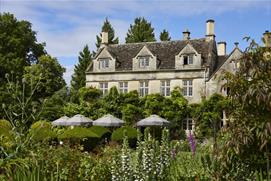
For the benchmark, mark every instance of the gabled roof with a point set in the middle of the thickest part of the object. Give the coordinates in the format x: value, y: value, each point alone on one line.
x: 164, y: 51
x: 222, y: 59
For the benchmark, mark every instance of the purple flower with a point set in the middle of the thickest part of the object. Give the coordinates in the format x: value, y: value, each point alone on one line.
x: 192, y: 143
x: 173, y: 153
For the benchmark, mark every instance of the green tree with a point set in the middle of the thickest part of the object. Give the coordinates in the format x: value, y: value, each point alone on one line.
x: 107, y: 27
x: 18, y: 46
x: 140, y: 31
x: 53, y: 107
x: 175, y: 109
x: 164, y: 36
x: 49, y: 73
x: 247, y: 137
x: 208, y: 115
x: 79, y: 76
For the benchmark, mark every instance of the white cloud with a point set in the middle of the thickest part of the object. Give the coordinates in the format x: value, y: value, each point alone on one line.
x: 66, y: 26
x: 84, y: 18
x: 68, y: 74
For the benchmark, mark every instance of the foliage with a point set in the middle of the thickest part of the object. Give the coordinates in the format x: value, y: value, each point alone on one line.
x: 79, y: 75
x: 207, y: 115
x: 118, y: 134
x: 246, y: 147
x: 131, y: 114
x: 112, y: 102
x: 149, y: 161
x: 41, y: 131
x: 107, y: 27
x: 5, y: 126
x: 140, y: 31
x: 21, y: 111
x: 186, y: 166
x: 175, y: 109
x: 19, y: 46
x: 77, y: 132
x: 53, y: 107
x: 89, y: 94
x: 49, y: 73
x: 153, y: 104
x: 99, y: 130
x: 164, y: 36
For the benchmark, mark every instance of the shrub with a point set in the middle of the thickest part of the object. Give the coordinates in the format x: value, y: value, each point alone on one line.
x: 77, y: 133
x: 118, y: 134
x: 98, y: 130
x: 5, y: 128
x: 41, y: 131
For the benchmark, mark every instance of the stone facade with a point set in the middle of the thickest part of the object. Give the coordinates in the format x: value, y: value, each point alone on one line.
x: 195, y: 65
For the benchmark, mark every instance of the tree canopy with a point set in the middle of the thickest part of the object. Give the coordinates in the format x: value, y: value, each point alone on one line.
x: 79, y: 76
x: 47, y: 75
x: 140, y: 31
x: 107, y: 27
x: 18, y: 46
x: 164, y: 36
x: 248, y: 133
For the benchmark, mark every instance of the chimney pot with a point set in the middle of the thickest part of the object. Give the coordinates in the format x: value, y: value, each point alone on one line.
x: 236, y: 44
x: 186, y: 35
x: 267, y: 38
x: 210, y: 30
x: 221, y: 48
x: 104, y: 38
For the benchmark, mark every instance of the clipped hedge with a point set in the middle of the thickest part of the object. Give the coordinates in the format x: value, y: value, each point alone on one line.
x: 79, y: 133
x: 41, y: 130
x: 118, y: 134
x: 100, y: 131
x: 5, y: 128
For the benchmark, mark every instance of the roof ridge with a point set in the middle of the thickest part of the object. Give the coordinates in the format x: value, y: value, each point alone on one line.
x: 155, y: 42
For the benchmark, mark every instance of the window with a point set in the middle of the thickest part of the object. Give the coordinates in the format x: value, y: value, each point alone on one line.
x: 165, y: 88
x: 123, y: 87
x: 188, y: 59
x: 187, y: 87
x: 188, y: 124
x: 144, y: 88
x: 104, y: 87
x: 104, y: 63
x: 144, y: 62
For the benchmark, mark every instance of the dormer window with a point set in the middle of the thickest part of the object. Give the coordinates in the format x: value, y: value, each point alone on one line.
x: 104, y: 63
x: 144, y: 61
x: 188, y: 59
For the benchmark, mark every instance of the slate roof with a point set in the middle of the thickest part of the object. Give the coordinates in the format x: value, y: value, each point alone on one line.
x: 164, y: 51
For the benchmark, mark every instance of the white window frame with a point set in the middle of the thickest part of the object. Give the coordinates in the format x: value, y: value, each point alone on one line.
x: 104, y: 87
x: 123, y: 87
x: 104, y: 63
x: 187, y: 124
x: 165, y: 87
x: 188, y: 88
x: 190, y: 58
x: 144, y: 61
x: 143, y: 88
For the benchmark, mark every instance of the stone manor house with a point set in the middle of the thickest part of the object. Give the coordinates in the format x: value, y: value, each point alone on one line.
x: 158, y: 67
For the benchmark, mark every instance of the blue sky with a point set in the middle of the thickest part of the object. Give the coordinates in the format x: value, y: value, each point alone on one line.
x: 66, y: 26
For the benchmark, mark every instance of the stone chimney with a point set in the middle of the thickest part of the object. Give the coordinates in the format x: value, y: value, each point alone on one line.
x: 186, y: 35
x: 210, y: 30
x: 104, y: 39
x: 267, y: 38
x: 221, y: 48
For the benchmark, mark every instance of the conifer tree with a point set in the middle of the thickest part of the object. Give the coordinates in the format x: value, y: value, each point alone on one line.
x: 164, y: 36
x: 140, y: 31
x: 79, y: 76
x: 107, y: 27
